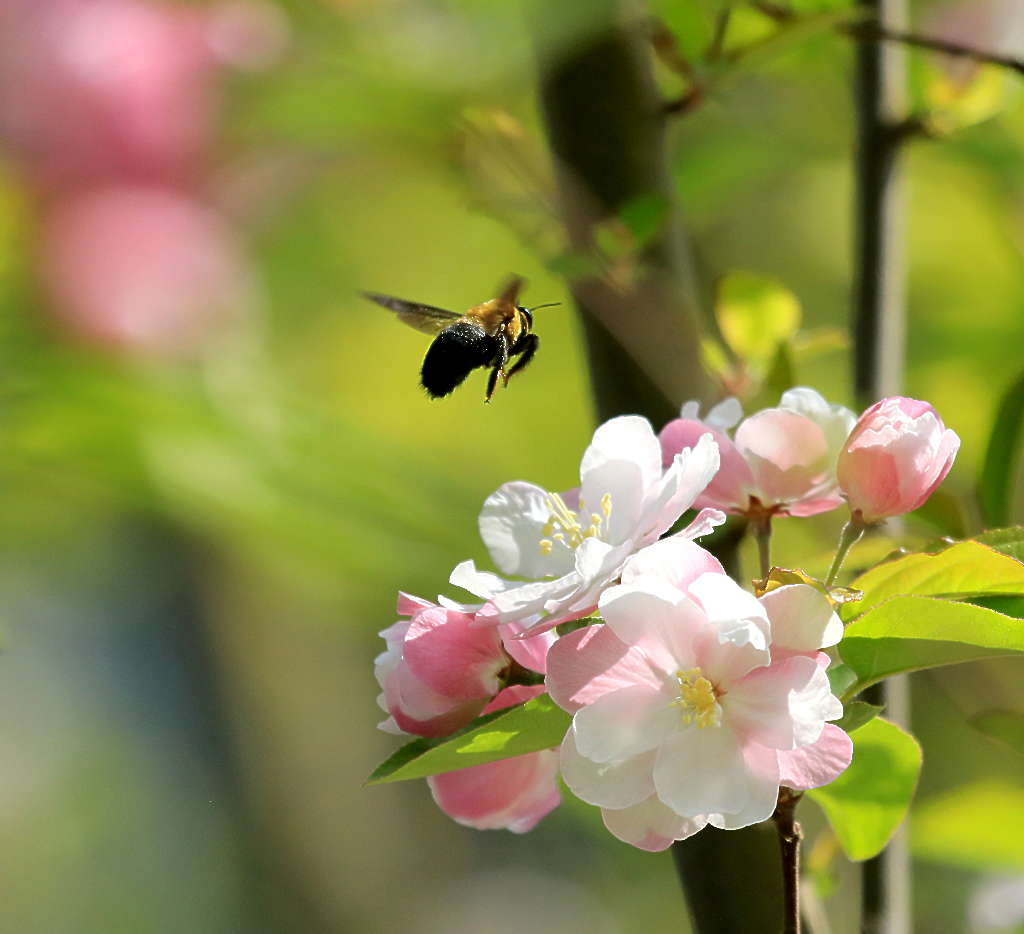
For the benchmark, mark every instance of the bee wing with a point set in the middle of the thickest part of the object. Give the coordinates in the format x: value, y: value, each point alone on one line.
x: 425, y: 318
x: 510, y: 293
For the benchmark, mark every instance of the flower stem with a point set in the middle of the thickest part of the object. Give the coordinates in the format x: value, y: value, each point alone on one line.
x: 761, y: 523
x: 789, y: 845
x: 849, y: 537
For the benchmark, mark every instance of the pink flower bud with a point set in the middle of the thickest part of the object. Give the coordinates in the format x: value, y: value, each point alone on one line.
x: 897, y: 454
x: 439, y: 670
x: 513, y: 794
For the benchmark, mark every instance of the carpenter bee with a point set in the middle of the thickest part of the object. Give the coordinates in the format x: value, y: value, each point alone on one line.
x: 488, y: 335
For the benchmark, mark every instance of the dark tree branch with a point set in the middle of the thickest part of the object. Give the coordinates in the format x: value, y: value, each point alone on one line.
x: 874, y: 31
x: 790, y: 836
x: 879, y: 328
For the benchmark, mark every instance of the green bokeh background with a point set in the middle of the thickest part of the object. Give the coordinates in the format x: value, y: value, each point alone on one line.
x: 197, y: 557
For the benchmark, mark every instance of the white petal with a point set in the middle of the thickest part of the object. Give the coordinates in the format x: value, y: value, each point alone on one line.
x: 626, y: 438
x: 701, y: 771
x: 761, y: 776
x: 624, y: 723
x: 726, y: 414
x: 704, y: 523
x: 655, y: 616
x: 650, y: 825
x: 736, y: 614
x: 481, y: 584
x: 606, y: 784
x: 676, y: 560
x: 802, y: 618
x: 691, y: 470
x: 512, y: 526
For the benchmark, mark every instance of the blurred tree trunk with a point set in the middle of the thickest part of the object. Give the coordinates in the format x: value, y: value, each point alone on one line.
x: 879, y: 347
x: 607, y: 129
x: 607, y: 126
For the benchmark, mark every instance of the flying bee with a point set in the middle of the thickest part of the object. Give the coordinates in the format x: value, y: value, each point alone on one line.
x: 488, y: 335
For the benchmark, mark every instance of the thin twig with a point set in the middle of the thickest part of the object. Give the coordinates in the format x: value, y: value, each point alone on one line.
x: 874, y: 31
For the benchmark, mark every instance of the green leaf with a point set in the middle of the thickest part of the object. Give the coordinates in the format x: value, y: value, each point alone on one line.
x: 857, y: 713
x: 869, y: 800
x: 841, y: 678
x: 966, y: 569
x: 1007, y: 726
x: 1009, y: 541
x: 1005, y: 444
x: 537, y: 724
x: 977, y: 825
x: 755, y: 314
x: 910, y: 633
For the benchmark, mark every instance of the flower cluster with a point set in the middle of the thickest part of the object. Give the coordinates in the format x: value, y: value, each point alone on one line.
x: 693, y: 701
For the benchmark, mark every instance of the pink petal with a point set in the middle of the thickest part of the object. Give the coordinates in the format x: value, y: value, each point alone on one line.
x: 513, y: 794
x: 730, y: 488
x: 445, y: 651
x: 409, y: 604
x: 818, y: 764
x: 588, y: 663
x: 529, y: 651
x: 787, y: 454
x: 651, y: 826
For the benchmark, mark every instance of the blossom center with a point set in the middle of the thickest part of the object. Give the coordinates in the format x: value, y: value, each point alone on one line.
x: 564, y: 527
x: 698, y: 699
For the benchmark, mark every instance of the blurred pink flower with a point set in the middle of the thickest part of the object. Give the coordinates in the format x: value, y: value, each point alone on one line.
x: 93, y: 91
x: 439, y: 670
x: 513, y: 794
x: 143, y: 267
x: 783, y: 457
x: 897, y: 454
x: 688, y: 709
x: 573, y: 545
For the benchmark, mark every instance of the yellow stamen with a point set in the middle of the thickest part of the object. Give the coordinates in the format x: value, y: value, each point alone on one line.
x: 570, y: 532
x: 698, y: 699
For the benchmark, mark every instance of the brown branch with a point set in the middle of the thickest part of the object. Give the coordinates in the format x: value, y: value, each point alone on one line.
x: 790, y: 836
x: 873, y: 31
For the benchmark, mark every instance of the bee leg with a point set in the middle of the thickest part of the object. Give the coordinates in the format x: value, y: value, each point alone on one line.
x: 528, y: 344
x: 500, y: 360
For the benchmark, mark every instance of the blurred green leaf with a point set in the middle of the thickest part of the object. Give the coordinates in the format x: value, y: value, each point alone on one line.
x: 956, y: 102
x: 976, y: 825
x: 966, y: 569
x: 1007, y: 726
x: 869, y: 800
x: 1008, y: 541
x: 857, y: 713
x: 911, y: 633
x: 755, y: 314
x: 1005, y: 444
x: 537, y: 724
x: 645, y: 216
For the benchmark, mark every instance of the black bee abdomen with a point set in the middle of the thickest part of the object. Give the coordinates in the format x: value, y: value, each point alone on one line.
x: 458, y: 349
